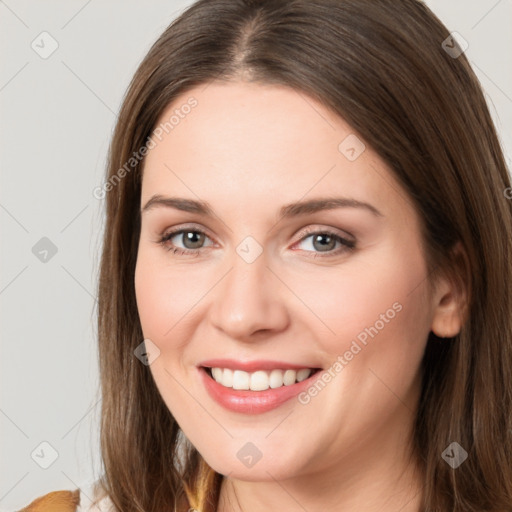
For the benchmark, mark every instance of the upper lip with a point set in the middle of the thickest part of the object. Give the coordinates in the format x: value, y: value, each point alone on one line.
x: 251, y: 366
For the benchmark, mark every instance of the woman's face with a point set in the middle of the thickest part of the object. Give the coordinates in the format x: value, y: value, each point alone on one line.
x: 265, y: 284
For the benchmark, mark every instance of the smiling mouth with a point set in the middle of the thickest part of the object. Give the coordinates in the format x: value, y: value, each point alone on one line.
x: 260, y: 380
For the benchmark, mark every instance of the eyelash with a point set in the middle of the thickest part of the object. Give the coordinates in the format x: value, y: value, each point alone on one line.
x: 347, y: 245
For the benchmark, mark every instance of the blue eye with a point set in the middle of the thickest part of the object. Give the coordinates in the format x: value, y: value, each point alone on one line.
x: 323, y: 243
x: 326, y: 241
x: 193, y: 237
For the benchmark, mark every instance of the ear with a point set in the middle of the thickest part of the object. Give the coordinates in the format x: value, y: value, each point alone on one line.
x: 450, y: 296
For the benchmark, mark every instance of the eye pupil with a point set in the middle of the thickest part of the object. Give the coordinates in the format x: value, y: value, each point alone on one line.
x: 189, y: 236
x: 323, y: 236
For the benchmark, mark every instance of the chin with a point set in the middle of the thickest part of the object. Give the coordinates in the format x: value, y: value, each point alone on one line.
x: 265, y: 469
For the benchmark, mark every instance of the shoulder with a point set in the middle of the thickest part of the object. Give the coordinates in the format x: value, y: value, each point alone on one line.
x: 88, y: 498
x: 58, y: 501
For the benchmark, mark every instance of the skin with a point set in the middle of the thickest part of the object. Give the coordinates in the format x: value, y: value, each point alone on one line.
x: 248, y: 149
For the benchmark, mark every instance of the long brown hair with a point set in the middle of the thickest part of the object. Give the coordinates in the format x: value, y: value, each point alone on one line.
x: 382, y: 66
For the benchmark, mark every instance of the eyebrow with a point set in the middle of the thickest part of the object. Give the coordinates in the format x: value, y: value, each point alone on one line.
x: 287, y: 211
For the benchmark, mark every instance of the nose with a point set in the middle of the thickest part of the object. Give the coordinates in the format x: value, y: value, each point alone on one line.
x: 249, y: 302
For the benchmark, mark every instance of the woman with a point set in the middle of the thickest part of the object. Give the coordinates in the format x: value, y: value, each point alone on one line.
x: 335, y: 328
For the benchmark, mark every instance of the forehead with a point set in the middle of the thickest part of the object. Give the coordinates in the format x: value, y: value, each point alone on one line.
x: 247, y: 143
x: 235, y: 115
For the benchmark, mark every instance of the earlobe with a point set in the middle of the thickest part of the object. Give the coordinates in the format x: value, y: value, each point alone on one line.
x: 447, y: 319
x: 450, y: 298
x: 446, y: 324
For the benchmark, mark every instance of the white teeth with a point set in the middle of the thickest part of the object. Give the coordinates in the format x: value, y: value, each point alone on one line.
x: 241, y: 379
x: 217, y: 374
x: 289, y: 377
x: 303, y: 374
x: 226, y: 376
x: 276, y: 378
x: 259, y: 380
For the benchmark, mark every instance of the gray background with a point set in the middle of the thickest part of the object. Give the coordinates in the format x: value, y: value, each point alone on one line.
x: 57, y: 116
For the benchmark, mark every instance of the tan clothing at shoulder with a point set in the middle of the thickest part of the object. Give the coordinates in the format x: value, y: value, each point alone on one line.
x: 56, y: 501
x: 87, y: 498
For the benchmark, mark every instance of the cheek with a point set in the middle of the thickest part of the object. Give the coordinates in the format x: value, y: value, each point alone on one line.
x: 165, y: 296
x: 379, y: 314
x: 154, y: 300
x: 165, y: 303
x: 380, y: 295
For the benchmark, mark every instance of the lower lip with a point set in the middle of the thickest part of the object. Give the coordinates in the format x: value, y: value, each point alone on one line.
x: 252, y: 402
